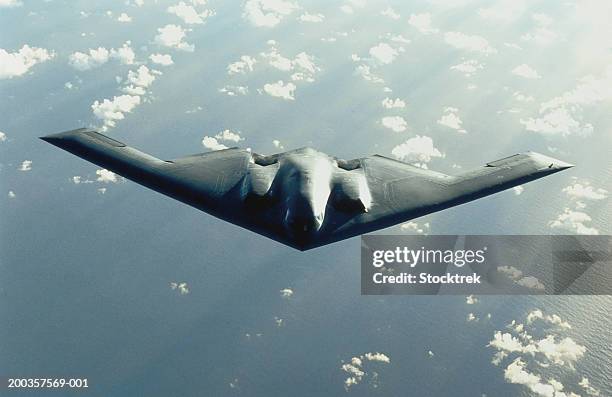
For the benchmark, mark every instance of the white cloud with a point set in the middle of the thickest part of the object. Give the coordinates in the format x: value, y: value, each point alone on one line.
x: 517, y: 374
x: 390, y: 13
x: 552, y: 319
x: 584, y: 191
x: 573, y: 221
x: 468, y: 68
x: 531, y: 282
x: 551, y: 350
x: 397, y: 38
x: 415, y: 227
x: 106, y: 176
x: 267, y: 13
x: 586, y: 385
x: 26, y: 165
x: 526, y: 71
x: 518, y: 190
x: 418, y: 149
x: 94, y: 58
x: 510, y: 271
x: 355, y: 368
x: 14, y: 64
x: 228, y: 135
x: 303, y: 65
x: 125, y: 54
x: 557, y: 121
x: 277, y: 144
x: 396, y: 103
x: 383, y: 53
x: 212, y: 143
x: 232, y: 90
x: 564, y: 352
x: 281, y: 90
x: 561, y: 115
x: 99, y: 56
x: 182, y: 288
x: 161, y: 59
x: 422, y: 22
x: 101, y: 190
x: 466, y: 42
x: 172, y: 36
x: 124, y: 17
x: 11, y: 194
x: 109, y: 111
x: 517, y: 276
x: 286, y: 292
x: 2, y: 136
x: 244, y: 65
x: 366, y: 72
x: 450, y: 119
x: 314, y: 18
x: 471, y: 317
x: 188, y: 13
x: 380, y: 357
x: 142, y: 77
x: 471, y: 300
x: 395, y: 123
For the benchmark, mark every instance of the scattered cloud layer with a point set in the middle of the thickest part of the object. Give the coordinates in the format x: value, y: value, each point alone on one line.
x: 562, y: 115
x: 536, y: 361
x: 355, y: 368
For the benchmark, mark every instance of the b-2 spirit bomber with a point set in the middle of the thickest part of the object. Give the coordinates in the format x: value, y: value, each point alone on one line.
x: 304, y: 198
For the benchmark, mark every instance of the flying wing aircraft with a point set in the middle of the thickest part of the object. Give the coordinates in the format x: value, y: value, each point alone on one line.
x: 304, y: 198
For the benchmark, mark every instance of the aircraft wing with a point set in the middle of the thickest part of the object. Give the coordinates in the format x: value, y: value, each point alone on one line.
x: 401, y: 192
x: 208, y: 181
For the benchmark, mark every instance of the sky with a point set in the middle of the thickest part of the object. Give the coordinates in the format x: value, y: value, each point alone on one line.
x: 105, y: 279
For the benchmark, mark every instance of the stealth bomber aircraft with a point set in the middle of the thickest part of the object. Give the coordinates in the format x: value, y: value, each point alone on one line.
x: 304, y: 198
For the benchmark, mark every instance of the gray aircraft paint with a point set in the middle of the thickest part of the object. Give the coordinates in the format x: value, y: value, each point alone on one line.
x: 305, y: 198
